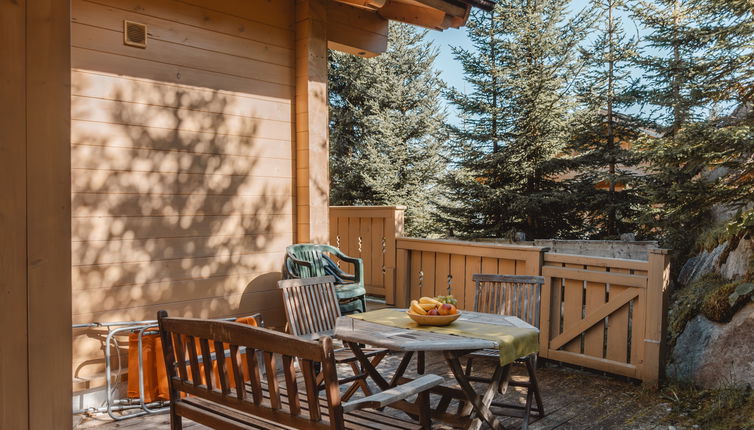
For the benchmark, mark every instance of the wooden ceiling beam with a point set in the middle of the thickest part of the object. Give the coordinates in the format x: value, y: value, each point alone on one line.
x: 416, y: 15
x: 356, y: 30
x: 364, y: 4
x: 447, y: 7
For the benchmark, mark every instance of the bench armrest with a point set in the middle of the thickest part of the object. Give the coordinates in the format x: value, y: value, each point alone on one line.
x: 395, y: 394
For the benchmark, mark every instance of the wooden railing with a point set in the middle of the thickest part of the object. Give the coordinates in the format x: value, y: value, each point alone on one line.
x: 602, y: 313
x: 370, y: 232
x: 439, y: 267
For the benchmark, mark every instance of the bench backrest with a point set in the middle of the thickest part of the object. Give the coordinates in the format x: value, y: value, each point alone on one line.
x: 311, y: 305
x: 515, y: 295
x: 189, y: 362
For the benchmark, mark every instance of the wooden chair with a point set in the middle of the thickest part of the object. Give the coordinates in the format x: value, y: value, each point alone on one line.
x: 311, y: 308
x: 265, y: 403
x: 311, y: 260
x: 518, y: 296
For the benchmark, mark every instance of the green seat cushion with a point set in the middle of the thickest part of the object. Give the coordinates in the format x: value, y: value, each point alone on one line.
x: 348, y: 291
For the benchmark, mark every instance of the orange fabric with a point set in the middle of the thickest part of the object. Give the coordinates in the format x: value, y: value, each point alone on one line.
x: 162, y: 391
x: 149, y: 364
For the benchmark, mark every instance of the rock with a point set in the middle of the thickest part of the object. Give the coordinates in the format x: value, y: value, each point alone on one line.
x: 712, y: 355
x: 698, y: 266
x: 738, y: 261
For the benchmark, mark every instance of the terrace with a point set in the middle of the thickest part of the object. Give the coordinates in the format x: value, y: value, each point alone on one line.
x: 170, y: 152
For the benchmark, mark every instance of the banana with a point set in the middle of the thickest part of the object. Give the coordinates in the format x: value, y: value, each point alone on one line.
x: 429, y: 300
x: 415, y: 308
x: 427, y: 306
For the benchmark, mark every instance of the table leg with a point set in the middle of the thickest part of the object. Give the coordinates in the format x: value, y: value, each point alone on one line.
x: 401, y: 368
x: 420, y: 363
x: 367, y: 365
x: 480, y: 404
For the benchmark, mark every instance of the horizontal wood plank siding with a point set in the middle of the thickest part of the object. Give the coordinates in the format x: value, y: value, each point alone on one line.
x: 181, y: 161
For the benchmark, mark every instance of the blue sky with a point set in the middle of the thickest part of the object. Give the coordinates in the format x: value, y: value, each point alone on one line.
x: 451, y: 70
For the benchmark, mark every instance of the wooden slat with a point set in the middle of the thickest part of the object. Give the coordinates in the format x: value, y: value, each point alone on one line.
x: 606, y: 365
x: 255, y: 378
x: 377, y: 257
x: 473, y: 266
x: 617, y: 327
x: 442, y: 270
x: 458, y: 281
x: 365, y: 233
x: 289, y: 369
x: 616, y: 276
x: 572, y: 308
x: 206, y: 362
x: 594, y: 337
x: 551, y: 257
x: 222, y: 371
x: 428, y: 260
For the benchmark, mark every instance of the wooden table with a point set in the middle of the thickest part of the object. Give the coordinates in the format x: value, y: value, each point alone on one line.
x: 476, y: 409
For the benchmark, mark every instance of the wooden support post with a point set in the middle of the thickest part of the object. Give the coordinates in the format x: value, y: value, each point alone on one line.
x: 654, y: 329
x: 35, y: 213
x: 312, y: 150
x: 393, y: 230
x: 402, y: 277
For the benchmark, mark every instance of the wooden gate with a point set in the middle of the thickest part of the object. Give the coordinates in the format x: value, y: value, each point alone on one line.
x: 605, y: 314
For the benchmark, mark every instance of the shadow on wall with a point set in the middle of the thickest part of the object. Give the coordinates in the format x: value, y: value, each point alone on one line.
x: 173, y: 208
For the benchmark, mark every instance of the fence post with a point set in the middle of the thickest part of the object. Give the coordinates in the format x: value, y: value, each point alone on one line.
x: 393, y: 229
x: 403, y: 278
x: 658, y: 280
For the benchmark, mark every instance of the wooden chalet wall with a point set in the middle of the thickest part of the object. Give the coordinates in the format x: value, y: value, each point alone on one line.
x: 195, y: 161
x: 182, y: 162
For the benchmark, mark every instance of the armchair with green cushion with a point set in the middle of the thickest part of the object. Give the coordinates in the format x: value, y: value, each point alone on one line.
x: 309, y: 260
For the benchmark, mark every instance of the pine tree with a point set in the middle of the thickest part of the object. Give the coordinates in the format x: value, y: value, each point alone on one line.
x: 387, y: 130
x: 705, y: 63
x: 601, y: 155
x: 516, y: 118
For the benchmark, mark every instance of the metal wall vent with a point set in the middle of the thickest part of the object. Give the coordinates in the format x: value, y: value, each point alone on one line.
x: 135, y: 34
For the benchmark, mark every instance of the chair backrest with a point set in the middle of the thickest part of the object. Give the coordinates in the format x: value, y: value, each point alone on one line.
x: 311, y: 305
x: 311, y: 253
x: 515, y: 295
x: 188, y: 361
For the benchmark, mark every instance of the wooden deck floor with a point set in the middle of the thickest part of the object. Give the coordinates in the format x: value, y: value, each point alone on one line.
x: 573, y: 400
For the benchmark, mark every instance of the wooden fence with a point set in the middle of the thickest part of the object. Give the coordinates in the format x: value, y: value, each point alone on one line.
x: 439, y: 267
x: 601, y: 313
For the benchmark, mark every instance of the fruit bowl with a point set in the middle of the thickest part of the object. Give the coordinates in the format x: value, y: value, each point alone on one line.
x: 436, y: 320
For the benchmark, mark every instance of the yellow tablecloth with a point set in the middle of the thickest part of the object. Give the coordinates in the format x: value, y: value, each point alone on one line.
x: 514, y: 342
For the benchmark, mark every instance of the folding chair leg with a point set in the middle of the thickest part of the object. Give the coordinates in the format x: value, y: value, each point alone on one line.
x: 531, y: 367
x: 527, y: 409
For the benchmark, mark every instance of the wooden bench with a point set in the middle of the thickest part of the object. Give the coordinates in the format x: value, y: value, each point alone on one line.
x: 263, y: 402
